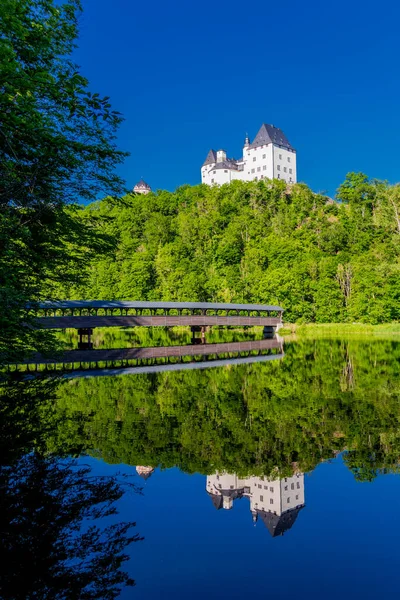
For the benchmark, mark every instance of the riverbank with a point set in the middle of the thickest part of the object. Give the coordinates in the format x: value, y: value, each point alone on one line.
x: 340, y: 329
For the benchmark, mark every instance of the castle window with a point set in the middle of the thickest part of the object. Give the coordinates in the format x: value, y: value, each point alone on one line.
x: 264, y: 156
x: 264, y: 167
x: 225, y: 171
x: 290, y: 170
x: 254, y: 158
x: 288, y: 158
x: 271, y: 489
x: 288, y: 500
x: 292, y: 486
x: 258, y: 169
x: 286, y: 488
x: 253, y: 170
x: 279, y: 176
x: 285, y: 169
x: 290, y: 180
x: 298, y: 485
x: 212, y: 180
x: 262, y: 177
x: 297, y: 497
x: 280, y: 156
x: 271, y: 501
x: 279, y: 167
x: 231, y: 486
x: 265, y: 487
x: 214, y: 172
x: 261, y: 498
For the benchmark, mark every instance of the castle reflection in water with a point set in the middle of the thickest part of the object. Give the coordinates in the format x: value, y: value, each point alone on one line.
x: 275, y: 502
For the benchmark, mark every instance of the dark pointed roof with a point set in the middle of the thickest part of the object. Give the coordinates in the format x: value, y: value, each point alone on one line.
x: 143, y: 185
x: 211, y: 158
x: 145, y: 475
x: 216, y: 500
x: 227, y: 164
x: 277, y: 525
x: 268, y: 134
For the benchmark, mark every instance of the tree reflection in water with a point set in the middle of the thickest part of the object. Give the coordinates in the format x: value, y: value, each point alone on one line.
x: 59, y: 532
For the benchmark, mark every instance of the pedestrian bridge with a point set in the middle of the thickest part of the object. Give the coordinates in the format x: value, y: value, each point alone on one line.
x: 88, y: 314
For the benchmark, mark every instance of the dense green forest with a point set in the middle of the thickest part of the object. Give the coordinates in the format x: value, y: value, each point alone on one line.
x: 323, y: 261
x: 323, y: 397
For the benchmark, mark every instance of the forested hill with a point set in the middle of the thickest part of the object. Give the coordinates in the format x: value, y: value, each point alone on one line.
x: 321, y: 260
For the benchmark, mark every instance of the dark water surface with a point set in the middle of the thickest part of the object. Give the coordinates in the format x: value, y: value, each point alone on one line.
x: 279, y: 477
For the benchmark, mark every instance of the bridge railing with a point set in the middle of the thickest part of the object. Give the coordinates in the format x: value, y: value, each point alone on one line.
x: 97, y: 308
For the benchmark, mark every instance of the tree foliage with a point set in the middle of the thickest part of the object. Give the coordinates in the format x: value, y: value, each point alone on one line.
x: 57, y: 146
x: 324, y: 397
x: 323, y: 261
x: 60, y: 532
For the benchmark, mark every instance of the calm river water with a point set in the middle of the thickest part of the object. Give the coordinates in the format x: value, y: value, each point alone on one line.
x: 275, y: 478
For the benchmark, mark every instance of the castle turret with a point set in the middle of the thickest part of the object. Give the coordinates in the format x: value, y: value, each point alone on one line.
x: 246, y: 145
x: 221, y: 156
x: 144, y: 472
x: 142, y: 187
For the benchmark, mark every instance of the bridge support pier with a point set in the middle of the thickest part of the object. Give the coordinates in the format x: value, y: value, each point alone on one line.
x: 268, y: 332
x: 85, y: 332
x: 196, y: 328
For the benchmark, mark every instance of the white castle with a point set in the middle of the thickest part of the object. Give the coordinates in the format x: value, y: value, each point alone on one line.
x: 277, y: 503
x: 269, y: 156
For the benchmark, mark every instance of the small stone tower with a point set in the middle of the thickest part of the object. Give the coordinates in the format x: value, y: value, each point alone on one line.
x: 142, y: 187
x: 145, y: 472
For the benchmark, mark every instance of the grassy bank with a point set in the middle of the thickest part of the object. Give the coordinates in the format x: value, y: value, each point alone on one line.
x: 340, y: 329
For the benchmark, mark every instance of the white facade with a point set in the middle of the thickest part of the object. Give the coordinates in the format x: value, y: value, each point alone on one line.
x: 275, y: 498
x: 269, y: 156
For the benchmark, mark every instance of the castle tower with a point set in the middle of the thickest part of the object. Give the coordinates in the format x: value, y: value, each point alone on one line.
x: 246, y: 144
x: 142, y: 187
x: 144, y: 472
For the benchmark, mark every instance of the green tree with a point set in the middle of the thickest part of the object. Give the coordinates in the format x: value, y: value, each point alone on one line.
x: 57, y: 145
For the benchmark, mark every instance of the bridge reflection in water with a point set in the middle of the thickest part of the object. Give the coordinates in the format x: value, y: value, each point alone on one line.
x: 123, y: 361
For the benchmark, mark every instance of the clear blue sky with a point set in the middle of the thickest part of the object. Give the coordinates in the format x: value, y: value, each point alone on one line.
x: 191, y: 75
